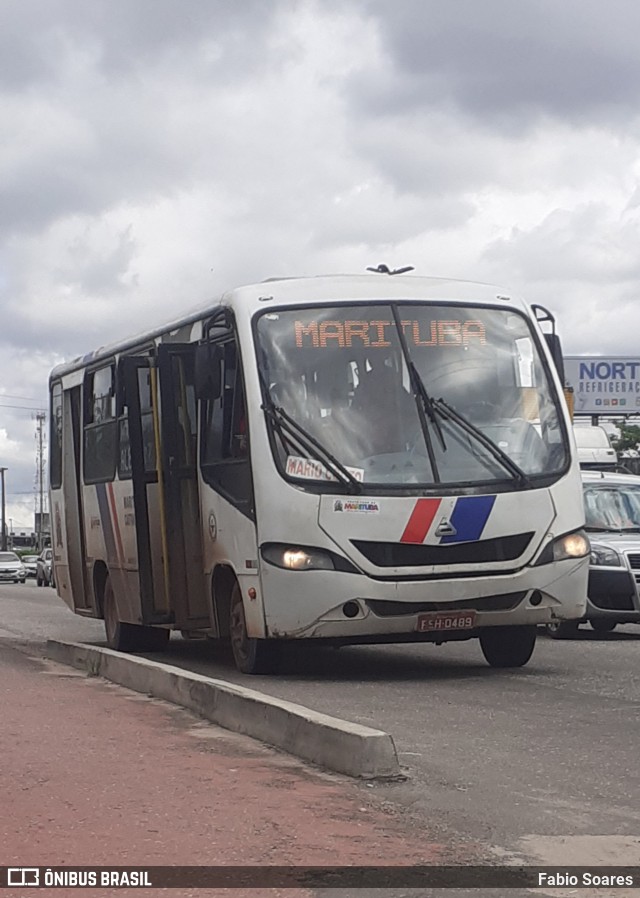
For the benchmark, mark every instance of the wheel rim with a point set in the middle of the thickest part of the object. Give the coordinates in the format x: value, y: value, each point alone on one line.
x: 238, y: 629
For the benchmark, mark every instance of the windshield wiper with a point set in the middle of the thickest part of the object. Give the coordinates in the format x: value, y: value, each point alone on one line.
x: 449, y: 413
x: 605, y: 529
x: 427, y: 402
x: 602, y: 529
x: 425, y: 406
x: 300, y: 438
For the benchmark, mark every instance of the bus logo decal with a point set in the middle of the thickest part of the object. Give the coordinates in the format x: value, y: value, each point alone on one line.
x: 445, y: 528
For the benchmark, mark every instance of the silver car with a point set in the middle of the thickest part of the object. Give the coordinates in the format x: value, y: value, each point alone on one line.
x: 12, y: 570
x: 44, y: 568
x: 612, y: 512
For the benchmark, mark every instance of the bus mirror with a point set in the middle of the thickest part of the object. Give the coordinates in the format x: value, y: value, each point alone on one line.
x: 555, y: 348
x: 208, y: 375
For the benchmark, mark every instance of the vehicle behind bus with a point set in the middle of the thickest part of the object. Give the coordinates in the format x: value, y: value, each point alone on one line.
x: 339, y: 460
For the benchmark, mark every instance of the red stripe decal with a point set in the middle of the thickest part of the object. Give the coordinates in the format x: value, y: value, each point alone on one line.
x: 420, y: 520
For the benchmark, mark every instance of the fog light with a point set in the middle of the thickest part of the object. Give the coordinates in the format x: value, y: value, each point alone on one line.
x: 351, y: 609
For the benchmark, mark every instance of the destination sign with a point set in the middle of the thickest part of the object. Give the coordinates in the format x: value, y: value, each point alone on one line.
x: 378, y: 333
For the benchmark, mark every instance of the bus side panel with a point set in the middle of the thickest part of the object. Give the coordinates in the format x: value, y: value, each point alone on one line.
x: 106, y: 538
x: 60, y: 551
x: 230, y: 539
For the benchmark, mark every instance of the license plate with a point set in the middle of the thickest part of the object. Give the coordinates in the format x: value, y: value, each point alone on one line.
x: 446, y: 620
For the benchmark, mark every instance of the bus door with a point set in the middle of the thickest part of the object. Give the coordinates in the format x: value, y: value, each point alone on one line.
x: 139, y: 379
x: 190, y: 599
x: 73, y: 510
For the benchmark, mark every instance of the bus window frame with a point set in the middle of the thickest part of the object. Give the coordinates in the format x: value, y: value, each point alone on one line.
x: 228, y: 475
x: 55, y: 437
x: 90, y: 425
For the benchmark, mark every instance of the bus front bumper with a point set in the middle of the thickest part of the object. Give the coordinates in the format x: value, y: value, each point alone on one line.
x: 345, y: 606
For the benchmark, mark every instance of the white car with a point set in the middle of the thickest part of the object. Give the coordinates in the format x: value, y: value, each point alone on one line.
x: 612, y: 512
x: 44, y: 568
x: 12, y: 570
x: 30, y: 562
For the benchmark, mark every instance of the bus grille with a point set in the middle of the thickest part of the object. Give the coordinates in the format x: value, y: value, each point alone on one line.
x: 504, y: 602
x: 383, y: 554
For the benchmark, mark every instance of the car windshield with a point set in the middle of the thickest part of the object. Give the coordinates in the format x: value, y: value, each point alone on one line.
x: 8, y: 556
x: 612, y: 506
x: 30, y: 559
x: 358, y: 381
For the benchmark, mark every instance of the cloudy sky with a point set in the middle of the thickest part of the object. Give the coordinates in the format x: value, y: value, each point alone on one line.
x: 156, y: 152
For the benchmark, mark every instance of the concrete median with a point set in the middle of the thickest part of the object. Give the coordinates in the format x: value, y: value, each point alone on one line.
x: 329, y: 742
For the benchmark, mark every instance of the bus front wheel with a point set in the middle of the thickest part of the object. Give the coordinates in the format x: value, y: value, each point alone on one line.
x: 602, y: 625
x: 125, y: 637
x: 508, y: 646
x: 251, y: 656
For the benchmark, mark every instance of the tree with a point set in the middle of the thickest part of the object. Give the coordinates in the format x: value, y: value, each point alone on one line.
x: 629, y: 437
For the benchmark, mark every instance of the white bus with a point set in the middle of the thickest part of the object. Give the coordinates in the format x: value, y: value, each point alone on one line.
x: 353, y: 459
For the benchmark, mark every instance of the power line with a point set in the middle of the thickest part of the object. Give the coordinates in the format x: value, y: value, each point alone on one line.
x: 27, y: 408
x: 12, y: 396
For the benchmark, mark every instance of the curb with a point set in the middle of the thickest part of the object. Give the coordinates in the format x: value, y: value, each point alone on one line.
x: 329, y: 742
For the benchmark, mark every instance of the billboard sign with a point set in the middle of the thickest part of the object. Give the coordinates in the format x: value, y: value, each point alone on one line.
x: 604, y: 385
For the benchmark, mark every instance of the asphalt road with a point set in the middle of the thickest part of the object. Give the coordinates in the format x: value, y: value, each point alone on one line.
x: 537, y: 766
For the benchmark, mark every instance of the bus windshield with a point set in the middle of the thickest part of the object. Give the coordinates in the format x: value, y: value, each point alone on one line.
x: 403, y: 394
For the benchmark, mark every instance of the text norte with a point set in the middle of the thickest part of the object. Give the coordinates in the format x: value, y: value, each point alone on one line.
x: 609, y: 370
x: 374, y: 333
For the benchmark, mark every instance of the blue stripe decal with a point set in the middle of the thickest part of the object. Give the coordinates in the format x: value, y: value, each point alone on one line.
x: 470, y: 514
x: 107, y: 525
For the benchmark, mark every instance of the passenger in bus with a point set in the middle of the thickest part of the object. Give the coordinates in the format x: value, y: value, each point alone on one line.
x: 389, y: 418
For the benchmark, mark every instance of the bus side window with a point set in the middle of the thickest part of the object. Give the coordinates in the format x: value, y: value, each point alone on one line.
x: 225, y: 421
x: 100, y: 426
x: 55, y: 438
x: 224, y: 451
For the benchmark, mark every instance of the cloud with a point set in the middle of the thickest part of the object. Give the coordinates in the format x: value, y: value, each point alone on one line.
x: 503, y: 64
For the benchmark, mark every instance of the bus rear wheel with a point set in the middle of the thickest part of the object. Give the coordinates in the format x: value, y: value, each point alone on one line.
x: 508, y: 646
x: 125, y: 637
x: 251, y: 656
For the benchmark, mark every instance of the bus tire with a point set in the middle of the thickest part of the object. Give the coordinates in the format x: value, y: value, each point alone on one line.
x: 508, y: 646
x: 602, y: 625
x: 566, y: 629
x: 125, y: 637
x: 251, y: 656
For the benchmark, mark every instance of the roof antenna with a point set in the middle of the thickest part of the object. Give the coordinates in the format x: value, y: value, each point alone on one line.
x: 384, y: 269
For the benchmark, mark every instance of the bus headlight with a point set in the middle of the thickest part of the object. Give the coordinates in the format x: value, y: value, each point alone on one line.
x: 604, y: 555
x: 295, y: 558
x: 571, y: 545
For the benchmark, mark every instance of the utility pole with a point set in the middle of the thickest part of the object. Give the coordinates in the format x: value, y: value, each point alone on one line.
x: 3, y: 524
